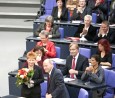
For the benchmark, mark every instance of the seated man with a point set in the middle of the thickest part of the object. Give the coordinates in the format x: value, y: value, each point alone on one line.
x: 75, y: 63
x: 106, y: 33
x: 86, y: 30
x: 56, y: 87
x: 49, y: 27
x: 80, y: 11
x: 49, y: 46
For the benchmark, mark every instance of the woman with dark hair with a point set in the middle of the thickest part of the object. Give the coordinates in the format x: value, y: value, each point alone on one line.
x: 49, y: 27
x: 39, y: 50
x: 60, y: 12
x: 104, y: 52
x: 95, y: 74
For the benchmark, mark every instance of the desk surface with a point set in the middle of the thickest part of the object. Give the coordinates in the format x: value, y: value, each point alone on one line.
x: 86, y: 85
x: 76, y: 83
x: 70, y: 23
x: 65, y: 41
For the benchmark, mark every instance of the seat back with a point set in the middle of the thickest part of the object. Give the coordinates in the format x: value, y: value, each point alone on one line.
x: 83, y: 93
x: 85, y: 51
x: 113, y: 60
x: 61, y: 30
x: 43, y: 89
x: 94, y: 18
x: 58, y: 51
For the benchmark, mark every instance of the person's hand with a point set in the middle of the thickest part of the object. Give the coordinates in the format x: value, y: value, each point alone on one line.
x: 72, y: 71
x: 84, y: 31
x: 79, y: 9
x: 45, y: 50
x: 48, y: 95
x: 98, y: 2
x: 38, y: 58
x: 101, y: 32
x: 89, y: 69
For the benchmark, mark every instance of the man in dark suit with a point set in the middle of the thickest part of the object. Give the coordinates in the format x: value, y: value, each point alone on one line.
x: 81, y: 62
x: 81, y: 11
x: 86, y: 29
x: 56, y: 87
x: 105, y: 33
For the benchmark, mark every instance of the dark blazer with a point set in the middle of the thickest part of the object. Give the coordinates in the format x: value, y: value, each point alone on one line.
x: 56, y: 85
x: 79, y: 16
x: 100, y: 9
x: 64, y: 16
x: 90, y: 34
x: 110, y: 37
x: 54, y: 30
x: 37, y: 78
x: 106, y: 58
x: 82, y: 63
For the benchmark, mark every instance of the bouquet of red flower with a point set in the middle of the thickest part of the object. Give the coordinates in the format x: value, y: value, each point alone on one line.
x: 24, y: 76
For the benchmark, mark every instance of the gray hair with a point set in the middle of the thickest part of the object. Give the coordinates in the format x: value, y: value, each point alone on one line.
x: 88, y: 16
x: 45, y: 33
x: 49, y: 19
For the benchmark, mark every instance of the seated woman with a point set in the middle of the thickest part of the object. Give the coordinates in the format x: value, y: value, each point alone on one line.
x: 49, y: 27
x: 100, y: 8
x: 86, y: 30
x: 60, y: 12
x: 39, y: 50
x: 33, y: 89
x: 49, y: 47
x: 95, y: 74
x: 81, y: 11
x: 104, y: 52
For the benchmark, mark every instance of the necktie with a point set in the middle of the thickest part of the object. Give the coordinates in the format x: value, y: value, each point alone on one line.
x: 73, y: 66
x: 48, y: 83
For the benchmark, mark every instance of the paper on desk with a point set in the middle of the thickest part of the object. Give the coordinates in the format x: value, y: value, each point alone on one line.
x: 38, y: 37
x: 57, y: 60
x: 76, y: 21
x: 68, y: 79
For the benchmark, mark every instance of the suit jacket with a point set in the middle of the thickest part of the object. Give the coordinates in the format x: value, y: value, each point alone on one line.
x: 56, y: 85
x: 100, y: 9
x: 79, y: 16
x: 50, y: 47
x: 64, y: 16
x: 81, y: 64
x: 54, y: 30
x: 90, y: 34
x: 110, y: 37
x: 37, y: 78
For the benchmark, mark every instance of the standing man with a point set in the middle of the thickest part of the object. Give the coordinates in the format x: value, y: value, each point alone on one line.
x: 75, y: 63
x: 56, y: 87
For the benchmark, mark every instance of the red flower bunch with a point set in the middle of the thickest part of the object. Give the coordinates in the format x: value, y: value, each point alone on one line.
x: 24, y: 76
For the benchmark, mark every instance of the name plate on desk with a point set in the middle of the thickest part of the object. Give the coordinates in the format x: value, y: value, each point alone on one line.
x: 68, y: 79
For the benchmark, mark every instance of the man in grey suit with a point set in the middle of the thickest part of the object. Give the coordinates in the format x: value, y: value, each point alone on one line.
x: 56, y: 87
x: 81, y: 62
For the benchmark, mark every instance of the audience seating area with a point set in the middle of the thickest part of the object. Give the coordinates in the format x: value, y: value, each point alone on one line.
x: 109, y: 74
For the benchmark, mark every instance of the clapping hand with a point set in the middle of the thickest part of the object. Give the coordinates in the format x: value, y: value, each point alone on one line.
x: 48, y: 95
x: 31, y: 84
x: 98, y: 2
x: 89, y: 69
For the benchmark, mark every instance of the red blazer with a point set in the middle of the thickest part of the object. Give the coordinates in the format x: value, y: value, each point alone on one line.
x: 50, y: 47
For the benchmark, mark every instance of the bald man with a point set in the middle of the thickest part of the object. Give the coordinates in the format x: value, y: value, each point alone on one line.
x: 56, y: 83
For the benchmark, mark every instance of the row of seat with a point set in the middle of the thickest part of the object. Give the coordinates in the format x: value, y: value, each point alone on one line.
x: 109, y: 80
x: 52, y: 3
